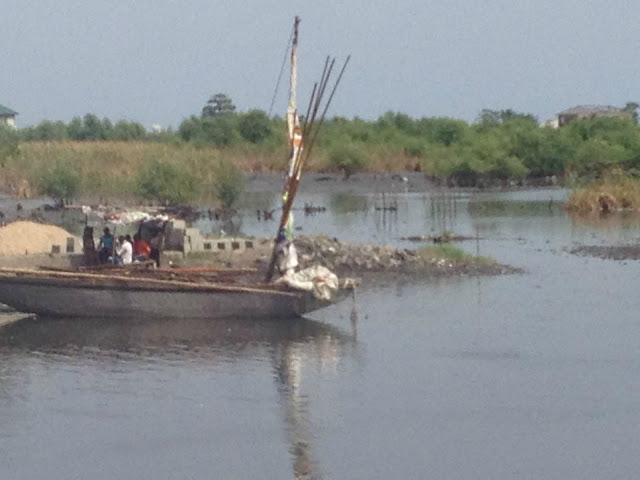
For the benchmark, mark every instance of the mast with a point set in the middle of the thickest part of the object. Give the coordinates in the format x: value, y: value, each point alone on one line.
x: 297, y: 136
x: 294, y: 138
x: 294, y: 132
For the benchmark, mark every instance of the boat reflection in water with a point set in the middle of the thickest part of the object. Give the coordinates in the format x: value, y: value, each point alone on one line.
x: 285, y: 344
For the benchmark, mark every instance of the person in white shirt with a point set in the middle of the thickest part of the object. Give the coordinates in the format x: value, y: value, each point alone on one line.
x: 124, y: 250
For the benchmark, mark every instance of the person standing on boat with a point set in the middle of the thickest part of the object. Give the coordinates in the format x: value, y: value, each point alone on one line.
x: 124, y: 250
x: 287, y: 256
x: 105, y: 246
x: 156, y: 244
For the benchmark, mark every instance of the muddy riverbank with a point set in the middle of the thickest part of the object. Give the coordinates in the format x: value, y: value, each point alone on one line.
x: 611, y: 252
x: 367, y: 261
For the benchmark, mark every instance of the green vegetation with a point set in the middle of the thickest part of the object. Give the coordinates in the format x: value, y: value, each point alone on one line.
x: 451, y: 253
x: 219, y: 104
x: 230, y: 183
x: 501, y: 147
x: 348, y: 157
x: 616, y: 191
x: 61, y: 181
x: 9, y: 141
x: 167, y: 184
x: 255, y: 126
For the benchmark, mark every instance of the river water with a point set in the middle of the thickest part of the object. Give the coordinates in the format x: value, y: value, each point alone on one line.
x: 533, y: 375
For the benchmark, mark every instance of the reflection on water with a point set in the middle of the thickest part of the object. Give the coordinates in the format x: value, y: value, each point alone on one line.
x: 443, y: 208
x: 607, y: 221
x: 502, y: 208
x: 344, y: 203
x: 137, y: 338
x: 284, y: 343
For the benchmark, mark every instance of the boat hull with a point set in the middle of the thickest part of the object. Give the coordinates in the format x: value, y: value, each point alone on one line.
x: 85, y: 298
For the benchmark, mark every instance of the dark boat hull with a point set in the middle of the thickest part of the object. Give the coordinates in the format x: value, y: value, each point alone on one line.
x: 91, y: 296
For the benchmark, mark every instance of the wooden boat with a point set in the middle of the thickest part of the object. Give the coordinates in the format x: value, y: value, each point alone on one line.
x: 75, y: 294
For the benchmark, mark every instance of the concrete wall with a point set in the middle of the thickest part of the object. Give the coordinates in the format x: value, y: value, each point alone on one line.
x: 11, y: 121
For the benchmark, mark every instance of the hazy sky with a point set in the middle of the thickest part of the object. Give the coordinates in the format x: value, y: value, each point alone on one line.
x: 158, y: 61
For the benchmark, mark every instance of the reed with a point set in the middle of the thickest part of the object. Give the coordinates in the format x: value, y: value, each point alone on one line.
x: 614, y: 192
x: 112, y: 167
x: 108, y: 168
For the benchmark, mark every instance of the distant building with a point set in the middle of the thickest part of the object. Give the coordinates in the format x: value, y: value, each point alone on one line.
x: 7, y: 116
x: 591, y: 111
x: 552, y: 123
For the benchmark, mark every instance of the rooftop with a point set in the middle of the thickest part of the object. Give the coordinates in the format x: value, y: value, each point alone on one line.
x: 591, y: 109
x: 6, y: 112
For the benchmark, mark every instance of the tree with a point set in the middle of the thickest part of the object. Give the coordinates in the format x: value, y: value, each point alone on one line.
x: 348, y: 157
x: 167, y: 184
x: 255, y: 126
x: 229, y: 183
x: 94, y: 129
x: 445, y: 130
x: 596, y: 154
x: 9, y: 140
x: 49, y: 130
x: 191, y: 128
x: 492, y: 118
x: 75, y: 129
x: 220, y: 130
x: 89, y: 128
x: 632, y: 107
x: 219, y: 104
x: 124, y: 130
x: 61, y: 182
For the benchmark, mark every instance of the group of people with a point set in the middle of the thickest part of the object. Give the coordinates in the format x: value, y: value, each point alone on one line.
x: 126, y: 250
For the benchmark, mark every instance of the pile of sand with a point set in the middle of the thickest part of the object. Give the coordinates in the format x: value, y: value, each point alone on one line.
x: 23, y: 238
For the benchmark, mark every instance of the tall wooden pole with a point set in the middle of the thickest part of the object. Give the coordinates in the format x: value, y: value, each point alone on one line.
x: 294, y: 136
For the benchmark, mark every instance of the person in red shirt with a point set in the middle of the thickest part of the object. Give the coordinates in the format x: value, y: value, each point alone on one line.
x: 141, y: 248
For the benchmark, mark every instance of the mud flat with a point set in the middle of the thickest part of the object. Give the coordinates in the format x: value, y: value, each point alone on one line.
x: 624, y: 252
x: 365, y: 260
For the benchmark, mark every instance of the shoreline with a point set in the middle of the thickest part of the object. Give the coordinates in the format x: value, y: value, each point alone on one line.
x: 392, y: 182
x: 366, y: 259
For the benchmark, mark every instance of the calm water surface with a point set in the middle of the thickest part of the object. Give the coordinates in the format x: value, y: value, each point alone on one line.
x: 522, y: 376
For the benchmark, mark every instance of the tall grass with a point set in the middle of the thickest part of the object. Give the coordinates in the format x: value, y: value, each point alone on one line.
x: 112, y: 167
x: 615, y: 192
x: 108, y: 168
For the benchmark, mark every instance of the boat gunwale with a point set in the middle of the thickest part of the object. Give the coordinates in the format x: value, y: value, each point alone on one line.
x: 117, y: 282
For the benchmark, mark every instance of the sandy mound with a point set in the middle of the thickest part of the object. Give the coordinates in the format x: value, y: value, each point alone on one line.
x: 22, y: 237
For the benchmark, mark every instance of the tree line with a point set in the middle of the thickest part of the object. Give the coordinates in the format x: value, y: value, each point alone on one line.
x: 499, y: 146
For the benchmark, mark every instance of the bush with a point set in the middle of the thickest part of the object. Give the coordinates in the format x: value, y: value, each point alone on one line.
x: 167, y: 184
x: 61, y: 182
x: 415, y: 148
x: 255, y: 126
x: 221, y: 130
x: 229, y: 183
x: 348, y: 157
x: 9, y: 139
x: 124, y: 130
